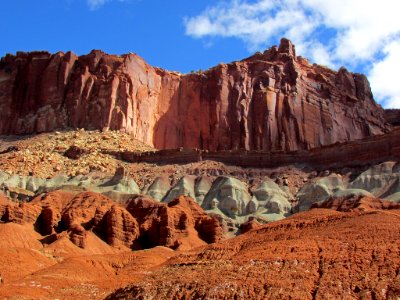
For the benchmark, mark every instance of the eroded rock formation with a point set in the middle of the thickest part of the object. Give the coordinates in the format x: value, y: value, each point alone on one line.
x: 321, y: 253
x: 269, y: 101
x: 179, y: 224
x: 144, y: 223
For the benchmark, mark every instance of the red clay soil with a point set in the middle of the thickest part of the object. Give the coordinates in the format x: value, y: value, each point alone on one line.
x: 75, y: 276
x: 67, y: 246
x: 320, y: 254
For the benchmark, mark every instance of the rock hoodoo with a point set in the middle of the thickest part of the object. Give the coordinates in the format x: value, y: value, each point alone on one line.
x: 269, y: 101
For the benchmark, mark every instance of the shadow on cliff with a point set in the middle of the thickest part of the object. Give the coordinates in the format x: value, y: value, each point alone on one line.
x: 194, y: 118
x: 169, y: 131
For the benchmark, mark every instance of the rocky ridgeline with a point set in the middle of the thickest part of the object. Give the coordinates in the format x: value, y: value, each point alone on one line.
x: 270, y: 101
x: 233, y: 201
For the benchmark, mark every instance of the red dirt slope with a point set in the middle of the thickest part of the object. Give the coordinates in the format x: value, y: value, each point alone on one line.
x: 320, y: 254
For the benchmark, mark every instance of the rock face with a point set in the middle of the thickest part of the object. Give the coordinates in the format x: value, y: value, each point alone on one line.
x: 179, y: 224
x: 370, y: 150
x: 269, y: 101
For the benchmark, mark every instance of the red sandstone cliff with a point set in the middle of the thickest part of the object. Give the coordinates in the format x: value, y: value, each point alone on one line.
x: 269, y: 101
x: 392, y: 116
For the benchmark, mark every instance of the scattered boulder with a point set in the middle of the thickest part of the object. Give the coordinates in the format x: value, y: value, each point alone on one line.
x: 10, y: 149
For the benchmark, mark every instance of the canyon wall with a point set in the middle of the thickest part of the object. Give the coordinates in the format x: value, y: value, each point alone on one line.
x: 271, y: 101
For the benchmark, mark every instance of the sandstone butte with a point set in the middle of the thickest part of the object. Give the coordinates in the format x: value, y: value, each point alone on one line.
x: 270, y: 101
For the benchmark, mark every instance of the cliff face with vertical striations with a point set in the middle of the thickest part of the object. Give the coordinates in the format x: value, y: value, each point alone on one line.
x: 269, y: 101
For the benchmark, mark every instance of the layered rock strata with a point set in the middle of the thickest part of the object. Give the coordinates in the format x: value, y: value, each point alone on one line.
x: 270, y: 101
x: 233, y: 199
x: 369, y: 150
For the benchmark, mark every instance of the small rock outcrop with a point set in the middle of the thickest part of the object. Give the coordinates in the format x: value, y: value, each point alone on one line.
x: 184, y: 187
x: 179, y: 224
x: 326, y: 188
x: 272, y: 198
x: 158, y: 188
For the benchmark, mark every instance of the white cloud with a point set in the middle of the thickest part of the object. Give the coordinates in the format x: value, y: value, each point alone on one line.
x: 362, y: 25
x: 384, y: 76
x: 334, y: 32
x: 94, y: 4
x: 321, y: 54
x: 254, y: 23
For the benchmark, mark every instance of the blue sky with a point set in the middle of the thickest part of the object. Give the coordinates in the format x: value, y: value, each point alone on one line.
x: 363, y: 35
x: 155, y: 29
